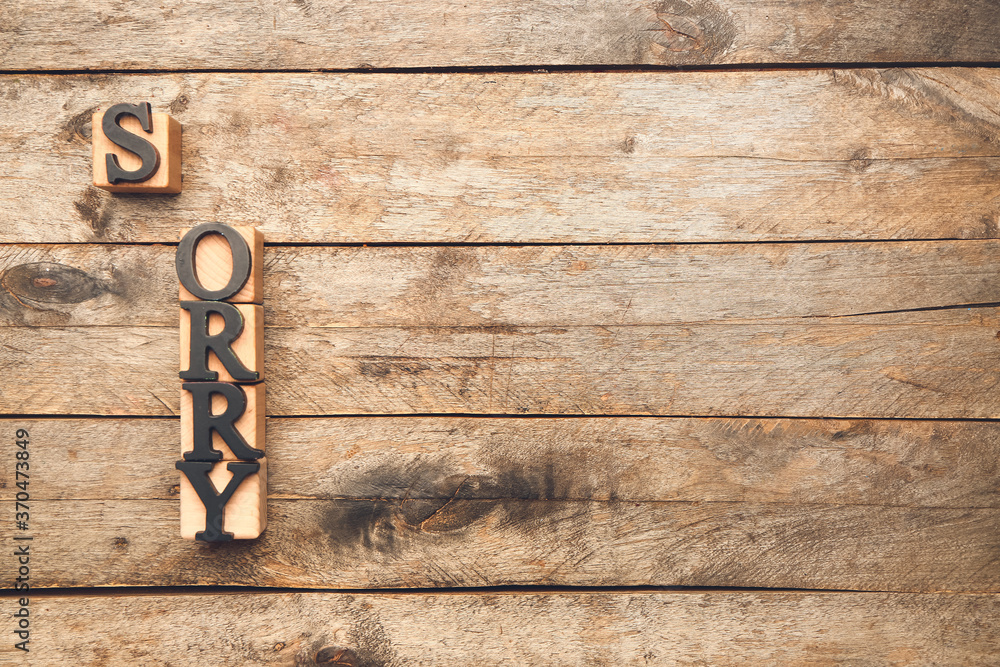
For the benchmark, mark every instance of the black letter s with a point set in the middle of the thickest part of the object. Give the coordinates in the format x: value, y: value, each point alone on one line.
x: 145, y: 150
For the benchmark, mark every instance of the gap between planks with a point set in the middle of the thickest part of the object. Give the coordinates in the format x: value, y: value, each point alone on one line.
x: 518, y: 244
x: 589, y: 501
x: 594, y: 68
x: 148, y: 591
x: 519, y: 415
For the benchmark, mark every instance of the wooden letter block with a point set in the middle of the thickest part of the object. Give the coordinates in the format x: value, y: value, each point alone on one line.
x: 165, y: 137
x: 250, y: 424
x: 248, y: 347
x: 244, y: 515
x: 214, y: 265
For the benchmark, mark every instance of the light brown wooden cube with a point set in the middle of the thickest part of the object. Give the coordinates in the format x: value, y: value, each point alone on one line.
x: 214, y: 265
x: 248, y: 347
x: 166, y: 136
x: 250, y: 425
x: 245, y: 515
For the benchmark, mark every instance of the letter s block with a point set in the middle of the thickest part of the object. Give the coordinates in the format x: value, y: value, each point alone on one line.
x: 155, y: 165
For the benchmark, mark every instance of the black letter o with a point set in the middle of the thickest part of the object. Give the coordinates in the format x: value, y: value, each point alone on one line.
x: 185, y: 261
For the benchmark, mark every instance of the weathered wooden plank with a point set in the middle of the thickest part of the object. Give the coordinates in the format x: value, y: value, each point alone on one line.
x: 415, y: 459
x: 577, y: 157
x: 831, y: 368
x: 743, y: 329
x: 410, y: 502
x: 86, y: 285
x: 642, y: 628
x: 382, y: 543
x: 43, y: 34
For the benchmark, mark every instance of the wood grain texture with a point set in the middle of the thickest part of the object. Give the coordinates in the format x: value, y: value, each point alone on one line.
x: 42, y: 34
x: 489, y: 542
x: 943, y: 369
x: 417, y: 502
x: 900, y: 508
x: 307, y: 286
x: 379, y: 630
x: 726, y: 330
x: 413, y: 459
x: 571, y: 157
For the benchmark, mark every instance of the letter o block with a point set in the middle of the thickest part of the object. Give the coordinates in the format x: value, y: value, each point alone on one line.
x: 166, y: 137
x: 213, y: 264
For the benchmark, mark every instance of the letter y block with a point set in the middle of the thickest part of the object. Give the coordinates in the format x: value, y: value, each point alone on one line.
x: 223, y: 501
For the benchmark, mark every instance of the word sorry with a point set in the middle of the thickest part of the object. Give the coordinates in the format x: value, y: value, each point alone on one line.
x: 224, y: 483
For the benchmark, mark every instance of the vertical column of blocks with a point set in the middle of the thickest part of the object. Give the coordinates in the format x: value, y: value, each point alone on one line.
x: 223, y: 490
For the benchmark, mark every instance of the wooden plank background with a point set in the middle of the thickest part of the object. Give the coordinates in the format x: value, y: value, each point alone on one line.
x: 568, y: 157
x: 587, y: 323
x: 528, y: 628
x: 339, y: 34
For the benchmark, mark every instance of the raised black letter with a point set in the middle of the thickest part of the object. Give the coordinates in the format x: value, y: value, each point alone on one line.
x: 197, y: 474
x: 202, y: 342
x: 145, y: 150
x: 205, y: 422
x: 185, y: 261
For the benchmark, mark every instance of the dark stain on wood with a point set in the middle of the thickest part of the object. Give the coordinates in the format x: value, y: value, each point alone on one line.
x: 438, y: 297
x: 861, y: 160
x: 367, y: 642
x: 399, y: 369
x: 361, y: 524
x: 50, y: 282
x: 78, y: 128
x: 336, y: 655
x: 374, y: 369
x: 95, y: 210
x: 990, y: 227
x: 179, y: 104
x: 305, y: 5
x: 280, y: 177
x: 370, y: 642
x: 425, y: 496
x: 950, y: 40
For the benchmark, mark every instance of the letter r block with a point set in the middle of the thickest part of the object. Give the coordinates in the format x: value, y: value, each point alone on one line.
x: 248, y: 347
x: 250, y: 424
x: 244, y: 515
x: 166, y: 137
